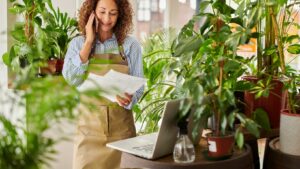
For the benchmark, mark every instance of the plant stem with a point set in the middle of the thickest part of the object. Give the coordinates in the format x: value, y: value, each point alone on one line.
x: 279, y: 42
x: 29, y: 27
x: 218, y: 117
x: 259, y: 45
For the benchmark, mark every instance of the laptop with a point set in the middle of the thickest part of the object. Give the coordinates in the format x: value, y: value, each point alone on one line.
x: 154, y: 145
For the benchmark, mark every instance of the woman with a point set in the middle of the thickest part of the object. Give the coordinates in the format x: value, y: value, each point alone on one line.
x: 104, y: 25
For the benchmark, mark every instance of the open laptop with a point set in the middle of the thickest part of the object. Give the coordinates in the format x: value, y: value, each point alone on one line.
x: 154, y: 145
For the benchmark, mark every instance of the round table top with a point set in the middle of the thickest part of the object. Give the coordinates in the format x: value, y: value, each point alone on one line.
x: 241, y: 159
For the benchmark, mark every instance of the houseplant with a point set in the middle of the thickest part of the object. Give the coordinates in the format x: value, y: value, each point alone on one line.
x: 289, y: 137
x: 209, y: 75
x: 61, y: 29
x: 25, y: 140
x: 24, y: 143
x: 41, y: 37
x: 275, y: 80
x: 206, y: 70
x: 156, y: 58
x: 272, y: 20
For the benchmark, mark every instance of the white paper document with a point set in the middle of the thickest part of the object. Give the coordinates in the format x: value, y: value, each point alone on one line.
x: 112, y: 83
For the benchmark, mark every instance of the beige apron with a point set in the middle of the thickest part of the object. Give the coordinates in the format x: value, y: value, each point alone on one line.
x: 106, y: 123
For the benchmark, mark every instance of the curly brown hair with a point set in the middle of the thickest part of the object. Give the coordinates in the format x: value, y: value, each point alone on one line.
x: 124, y: 23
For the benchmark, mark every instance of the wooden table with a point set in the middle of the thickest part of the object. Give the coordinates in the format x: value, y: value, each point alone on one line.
x: 241, y: 159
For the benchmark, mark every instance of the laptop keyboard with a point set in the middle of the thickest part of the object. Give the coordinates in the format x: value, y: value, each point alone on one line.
x: 146, y: 148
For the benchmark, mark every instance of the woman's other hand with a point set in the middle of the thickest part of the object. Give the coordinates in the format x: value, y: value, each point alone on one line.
x: 124, y: 101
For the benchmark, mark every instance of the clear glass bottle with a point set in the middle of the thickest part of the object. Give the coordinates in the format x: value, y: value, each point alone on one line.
x: 184, y: 151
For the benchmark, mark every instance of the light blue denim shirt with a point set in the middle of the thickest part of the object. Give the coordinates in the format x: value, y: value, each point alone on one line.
x: 74, y: 69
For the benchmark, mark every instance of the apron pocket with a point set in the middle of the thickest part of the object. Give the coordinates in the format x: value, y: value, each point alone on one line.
x: 95, y: 123
x: 121, y: 122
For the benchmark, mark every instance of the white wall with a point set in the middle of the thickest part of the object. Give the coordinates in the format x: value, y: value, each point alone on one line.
x: 3, y: 43
x: 68, y: 6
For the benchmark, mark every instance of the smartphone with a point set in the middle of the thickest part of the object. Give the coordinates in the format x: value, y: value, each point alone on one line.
x: 95, y: 24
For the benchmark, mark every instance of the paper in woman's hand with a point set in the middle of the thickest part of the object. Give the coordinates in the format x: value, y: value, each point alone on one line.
x: 112, y: 83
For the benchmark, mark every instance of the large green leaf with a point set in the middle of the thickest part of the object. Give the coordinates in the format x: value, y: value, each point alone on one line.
x: 239, y: 137
x: 294, y: 49
x: 204, y: 5
x: 6, y: 59
x: 221, y: 6
x: 261, y: 117
x: 19, y: 34
x: 252, y: 127
x: 187, y: 45
x: 17, y: 8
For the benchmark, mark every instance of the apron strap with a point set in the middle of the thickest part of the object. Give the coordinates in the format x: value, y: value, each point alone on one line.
x: 120, y: 47
x: 121, y: 51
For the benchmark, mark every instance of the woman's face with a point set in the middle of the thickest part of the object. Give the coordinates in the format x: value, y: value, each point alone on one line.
x: 107, y: 14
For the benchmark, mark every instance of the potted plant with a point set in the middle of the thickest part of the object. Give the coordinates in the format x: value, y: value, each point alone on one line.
x: 25, y: 139
x: 206, y: 69
x: 24, y: 142
x: 271, y: 20
x: 41, y: 39
x: 60, y: 29
x: 289, y: 137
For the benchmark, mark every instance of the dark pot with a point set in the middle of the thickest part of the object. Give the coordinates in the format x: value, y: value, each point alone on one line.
x: 271, y: 104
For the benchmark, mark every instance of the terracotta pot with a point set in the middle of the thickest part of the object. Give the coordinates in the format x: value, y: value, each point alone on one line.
x: 271, y: 104
x: 59, y: 65
x: 220, y: 146
x: 50, y: 68
x: 290, y: 133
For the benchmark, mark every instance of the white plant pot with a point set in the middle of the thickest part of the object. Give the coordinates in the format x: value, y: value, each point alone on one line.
x: 290, y: 133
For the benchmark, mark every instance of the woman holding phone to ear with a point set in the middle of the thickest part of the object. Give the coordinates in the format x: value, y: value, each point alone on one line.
x: 104, y: 25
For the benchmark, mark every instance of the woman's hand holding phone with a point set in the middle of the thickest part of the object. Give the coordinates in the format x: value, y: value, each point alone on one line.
x: 91, y: 28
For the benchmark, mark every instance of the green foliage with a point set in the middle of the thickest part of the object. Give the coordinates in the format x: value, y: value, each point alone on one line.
x: 203, y: 66
x: 24, y: 142
x: 60, y: 29
x: 294, y: 49
x: 261, y: 117
x: 43, y: 35
x: 157, y: 60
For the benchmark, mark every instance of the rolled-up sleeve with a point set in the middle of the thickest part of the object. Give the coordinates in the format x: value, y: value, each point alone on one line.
x: 136, y: 69
x: 73, y: 69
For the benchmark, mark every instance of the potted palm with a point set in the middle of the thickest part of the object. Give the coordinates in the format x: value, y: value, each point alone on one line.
x: 272, y: 21
x: 157, y: 55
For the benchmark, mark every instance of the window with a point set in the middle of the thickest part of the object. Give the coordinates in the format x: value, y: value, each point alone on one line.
x: 144, y: 13
x: 162, y: 5
x: 193, y: 4
x: 154, y: 5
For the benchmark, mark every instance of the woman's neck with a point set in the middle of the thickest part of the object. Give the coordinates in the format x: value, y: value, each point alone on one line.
x: 103, y: 36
